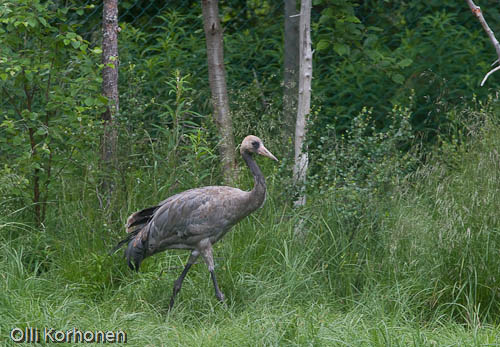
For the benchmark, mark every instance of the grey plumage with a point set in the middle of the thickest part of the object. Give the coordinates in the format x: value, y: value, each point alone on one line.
x: 195, y: 219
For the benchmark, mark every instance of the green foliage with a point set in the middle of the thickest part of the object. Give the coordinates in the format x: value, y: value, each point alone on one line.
x: 361, y: 163
x: 247, y: 52
x: 49, y: 77
x: 367, y: 54
x: 253, y: 112
x: 150, y: 69
x: 371, y: 55
x: 171, y: 152
x: 374, y: 53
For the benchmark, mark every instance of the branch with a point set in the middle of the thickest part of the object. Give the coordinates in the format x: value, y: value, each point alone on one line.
x: 488, y: 75
x: 479, y: 14
x: 11, y: 101
x: 49, y: 79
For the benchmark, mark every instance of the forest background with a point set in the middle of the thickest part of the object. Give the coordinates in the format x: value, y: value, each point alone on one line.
x: 402, y: 228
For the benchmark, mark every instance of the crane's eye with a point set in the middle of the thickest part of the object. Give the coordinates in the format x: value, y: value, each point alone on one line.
x: 255, y: 144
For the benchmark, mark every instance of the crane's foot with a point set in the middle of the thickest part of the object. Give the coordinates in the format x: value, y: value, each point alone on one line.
x: 172, y: 298
x: 220, y: 296
x: 218, y: 293
x: 171, y: 305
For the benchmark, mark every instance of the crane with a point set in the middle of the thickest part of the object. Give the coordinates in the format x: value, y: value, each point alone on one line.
x: 195, y: 219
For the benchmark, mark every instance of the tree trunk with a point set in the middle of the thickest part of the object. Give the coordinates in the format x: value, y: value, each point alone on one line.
x: 290, y: 72
x: 304, y: 102
x: 110, y: 31
x: 218, y: 87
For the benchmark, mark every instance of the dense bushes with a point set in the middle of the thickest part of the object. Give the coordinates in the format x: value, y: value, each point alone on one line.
x: 49, y: 82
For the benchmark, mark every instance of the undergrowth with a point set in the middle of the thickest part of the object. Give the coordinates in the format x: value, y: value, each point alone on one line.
x: 419, y: 267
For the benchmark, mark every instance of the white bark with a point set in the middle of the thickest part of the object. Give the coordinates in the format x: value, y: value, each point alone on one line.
x: 304, y: 102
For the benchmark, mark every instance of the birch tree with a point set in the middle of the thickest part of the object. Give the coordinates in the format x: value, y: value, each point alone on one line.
x: 218, y: 87
x: 304, y: 100
x: 110, y: 31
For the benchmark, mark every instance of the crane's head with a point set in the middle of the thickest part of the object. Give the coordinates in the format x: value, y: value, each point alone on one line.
x: 135, y: 253
x: 252, y: 144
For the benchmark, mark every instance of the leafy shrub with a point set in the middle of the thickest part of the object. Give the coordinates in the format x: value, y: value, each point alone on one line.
x: 354, y: 167
x: 49, y: 79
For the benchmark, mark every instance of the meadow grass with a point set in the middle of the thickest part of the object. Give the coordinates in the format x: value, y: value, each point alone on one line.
x: 419, y: 267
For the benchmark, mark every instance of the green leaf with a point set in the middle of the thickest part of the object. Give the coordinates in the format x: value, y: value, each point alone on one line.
x: 322, y: 45
x: 41, y: 131
x: 341, y: 48
x: 353, y: 19
x: 32, y: 22
x: 75, y: 44
x: 405, y: 62
x: 102, y: 100
x: 34, y: 116
x: 89, y: 101
x: 398, y: 78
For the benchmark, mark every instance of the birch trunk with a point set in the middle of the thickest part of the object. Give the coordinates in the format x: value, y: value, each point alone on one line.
x: 304, y: 102
x: 290, y: 72
x: 218, y: 87
x: 110, y: 31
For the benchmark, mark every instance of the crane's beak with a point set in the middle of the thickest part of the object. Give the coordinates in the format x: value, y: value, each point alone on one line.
x: 263, y: 151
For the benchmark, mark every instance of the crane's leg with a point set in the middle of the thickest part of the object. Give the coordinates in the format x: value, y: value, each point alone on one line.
x: 207, y: 254
x: 178, y: 283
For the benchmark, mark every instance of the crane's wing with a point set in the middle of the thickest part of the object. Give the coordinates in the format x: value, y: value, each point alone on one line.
x: 184, y: 219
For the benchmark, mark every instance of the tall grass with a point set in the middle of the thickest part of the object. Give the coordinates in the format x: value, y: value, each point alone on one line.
x: 420, y: 266
x: 445, y: 233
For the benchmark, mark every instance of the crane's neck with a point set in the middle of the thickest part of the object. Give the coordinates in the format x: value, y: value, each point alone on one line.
x: 258, y: 193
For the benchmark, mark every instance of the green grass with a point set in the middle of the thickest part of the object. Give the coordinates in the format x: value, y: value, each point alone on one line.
x: 420, y: 267
x: 259, y: 311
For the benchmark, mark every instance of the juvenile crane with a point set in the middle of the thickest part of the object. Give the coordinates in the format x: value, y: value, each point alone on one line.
x: 195, y: 219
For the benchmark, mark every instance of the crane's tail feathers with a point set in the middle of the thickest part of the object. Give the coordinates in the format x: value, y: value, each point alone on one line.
x: 129, y: 237
x: 139, y: 218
